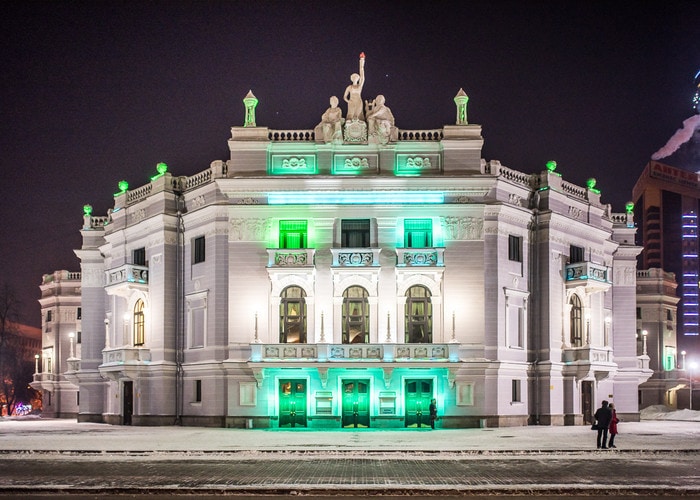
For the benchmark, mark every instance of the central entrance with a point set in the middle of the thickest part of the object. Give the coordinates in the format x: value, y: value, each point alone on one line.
x: 417, y: 396
x: 355, y: 403
x: 292, y: 395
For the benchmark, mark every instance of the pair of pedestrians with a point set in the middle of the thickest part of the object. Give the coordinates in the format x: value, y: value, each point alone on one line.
x: 606, y: 420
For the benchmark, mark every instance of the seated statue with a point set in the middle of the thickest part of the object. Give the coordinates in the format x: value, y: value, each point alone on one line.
x: 331, y: 127
x: 380, y: 121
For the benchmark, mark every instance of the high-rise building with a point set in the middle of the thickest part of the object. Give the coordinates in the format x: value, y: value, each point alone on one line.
x: 346, y: 276
x: 667, y: 207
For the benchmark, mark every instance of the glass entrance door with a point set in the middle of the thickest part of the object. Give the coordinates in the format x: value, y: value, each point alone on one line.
x: 292, y: 395
x: 417, y: 396
x: 355, y: 403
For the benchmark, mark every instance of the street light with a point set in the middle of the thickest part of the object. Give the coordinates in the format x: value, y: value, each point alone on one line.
x: 36, y: 363
x: 71, y: 335
x: 683, y: 356
x: 644, y: 342
x: 693, y: 365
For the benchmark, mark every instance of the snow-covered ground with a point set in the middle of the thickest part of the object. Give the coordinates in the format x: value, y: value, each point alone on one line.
x: 661, y: 412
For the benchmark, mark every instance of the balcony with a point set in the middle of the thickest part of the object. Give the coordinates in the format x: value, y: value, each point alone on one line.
x: 284, y: 257
x: 128, y: 275
x: 121, y: 362
x: 589, y: 275
x: 420, y: 257
x: 354, y: 353
x: 588, y: 361
x: 355, y: 257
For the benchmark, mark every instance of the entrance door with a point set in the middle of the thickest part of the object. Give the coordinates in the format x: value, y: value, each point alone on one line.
x: 355, y: 403
x: 292, y: 403
x: 586, y: 401
x: 128, y: 409
x: 417, y: 396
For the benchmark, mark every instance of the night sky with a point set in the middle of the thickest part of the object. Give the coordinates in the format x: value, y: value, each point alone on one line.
x: 95, y: 92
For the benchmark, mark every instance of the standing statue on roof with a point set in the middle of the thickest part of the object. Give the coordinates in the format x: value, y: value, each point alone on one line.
x: 353, y: 93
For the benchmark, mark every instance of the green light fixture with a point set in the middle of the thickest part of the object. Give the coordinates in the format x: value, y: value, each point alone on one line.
x: 461, y: 100
x: 161, y: 168
x: 123, y: 186
x: 551, y: 165
x: 250, y: 102
x: 87, y: 210
x: 629, y: 207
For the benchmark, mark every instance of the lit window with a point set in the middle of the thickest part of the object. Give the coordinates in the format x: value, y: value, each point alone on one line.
x: 418, y: 233
x: 293, y: 234
x: 354, y: 233
x: 355, y: 316
x: 293, y: 315
x: 418, y: 316
x: 139, y: 323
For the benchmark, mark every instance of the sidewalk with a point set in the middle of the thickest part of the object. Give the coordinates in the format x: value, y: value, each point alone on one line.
x: 60, y: 435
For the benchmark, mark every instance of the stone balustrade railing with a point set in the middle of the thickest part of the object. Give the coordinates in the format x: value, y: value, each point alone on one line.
x: 199, y: 179
x: 354, y: 352
x: 588, y: 271
x: 355, y: 257
x: 574, y: 190
x: 291, y: 135
x: 283, y: 257
x: 127, y: 273
x: 420, y: 257
x: 421, y: 135
x: 516, y: 177
x: 588, y: 354
x: 138, y: 194
x: 125, y: 355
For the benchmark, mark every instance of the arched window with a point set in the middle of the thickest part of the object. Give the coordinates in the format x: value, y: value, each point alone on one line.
x: 576, y: 323
x: 139, y: 324
x: 419, y: 316
x: 355, y: 316
x: 293, y: 315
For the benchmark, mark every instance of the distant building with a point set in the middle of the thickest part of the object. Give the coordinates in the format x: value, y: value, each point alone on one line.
x: 61, y: 336
x: 345, y: 276
x: 666, y: 208
x: 656, y: 337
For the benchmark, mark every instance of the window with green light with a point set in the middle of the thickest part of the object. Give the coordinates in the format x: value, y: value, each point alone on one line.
x: 418, y: 233
x: 293, y: 234
x: 669, y: 358
x: 293, y: 315
x: 419, y: 316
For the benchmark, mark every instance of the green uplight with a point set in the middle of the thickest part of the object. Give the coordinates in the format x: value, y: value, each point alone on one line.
x: 87, y: 210
x: 629, y: 207
x: 590, y: 183
x: 161, y: 168
x: 551, y: 165
x: 123, y: 186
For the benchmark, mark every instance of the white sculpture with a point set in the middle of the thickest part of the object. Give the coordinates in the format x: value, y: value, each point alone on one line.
x: 353, y: 92
x: 331, y: 127
x: 380, y: 121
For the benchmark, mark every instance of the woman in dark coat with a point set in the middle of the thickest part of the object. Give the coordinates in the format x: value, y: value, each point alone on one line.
x: 613, y: 426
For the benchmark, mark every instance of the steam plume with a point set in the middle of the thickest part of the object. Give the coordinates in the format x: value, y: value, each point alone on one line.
x: 681, y: 136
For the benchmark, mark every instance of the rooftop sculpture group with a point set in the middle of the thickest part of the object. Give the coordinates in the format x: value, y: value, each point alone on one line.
x: 372, y: 122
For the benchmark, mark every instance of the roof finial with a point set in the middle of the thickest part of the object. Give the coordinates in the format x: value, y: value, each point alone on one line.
x: 461, y: 100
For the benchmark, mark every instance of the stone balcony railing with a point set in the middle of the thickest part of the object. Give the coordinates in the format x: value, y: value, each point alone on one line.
x: 127, y: 273
x: 283, y: 257
x: 420, y: 257
x: 125, y: 355
x: 44, y: 377
x: 355, y: 257
x: 586, y: 271
x: 588, y: 354
x: 354, y: 352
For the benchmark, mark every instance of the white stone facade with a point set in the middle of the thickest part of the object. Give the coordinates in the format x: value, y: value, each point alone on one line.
x: 305, y: 283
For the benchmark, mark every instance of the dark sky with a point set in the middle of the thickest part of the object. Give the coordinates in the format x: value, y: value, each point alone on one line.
x: 95, y: 92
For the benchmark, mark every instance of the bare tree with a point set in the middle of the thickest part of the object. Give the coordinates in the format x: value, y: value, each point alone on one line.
x: 15, y: 368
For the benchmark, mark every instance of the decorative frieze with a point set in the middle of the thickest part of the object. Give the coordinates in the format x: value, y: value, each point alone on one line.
x: 463, y: 228
x: 253, y: 229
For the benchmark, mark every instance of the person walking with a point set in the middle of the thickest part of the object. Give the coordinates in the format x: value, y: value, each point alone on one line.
x: 603, y: 415
x: 433, y: 413
x: 613, y: 426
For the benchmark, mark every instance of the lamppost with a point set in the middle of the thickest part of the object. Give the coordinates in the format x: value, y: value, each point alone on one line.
x: 71, y: 336
x: 644, y: 342
x: 36, y: 363
x: 683, y: 358
x: 693, y: 365
x: 588, y: 328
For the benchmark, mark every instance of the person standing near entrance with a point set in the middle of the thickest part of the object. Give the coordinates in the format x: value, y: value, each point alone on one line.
x: 433, y: 413
x: 613, y: 426
x: 603, y: 416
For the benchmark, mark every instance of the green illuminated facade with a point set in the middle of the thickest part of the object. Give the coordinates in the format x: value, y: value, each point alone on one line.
x: 342, y: 277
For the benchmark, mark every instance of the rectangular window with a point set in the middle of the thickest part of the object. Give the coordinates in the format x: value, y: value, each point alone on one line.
x: 139, y: 257
x: 198, y: 250
x: 515, y: 391
x: 78, y: 337
x: 79, y: 313
x: 48, y: 315
x: 418, y: 233
x: 354, y: 233
x: 197, y: 391
x: 293, y: 234
x: 576, y: 254
x: 515, y: 248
